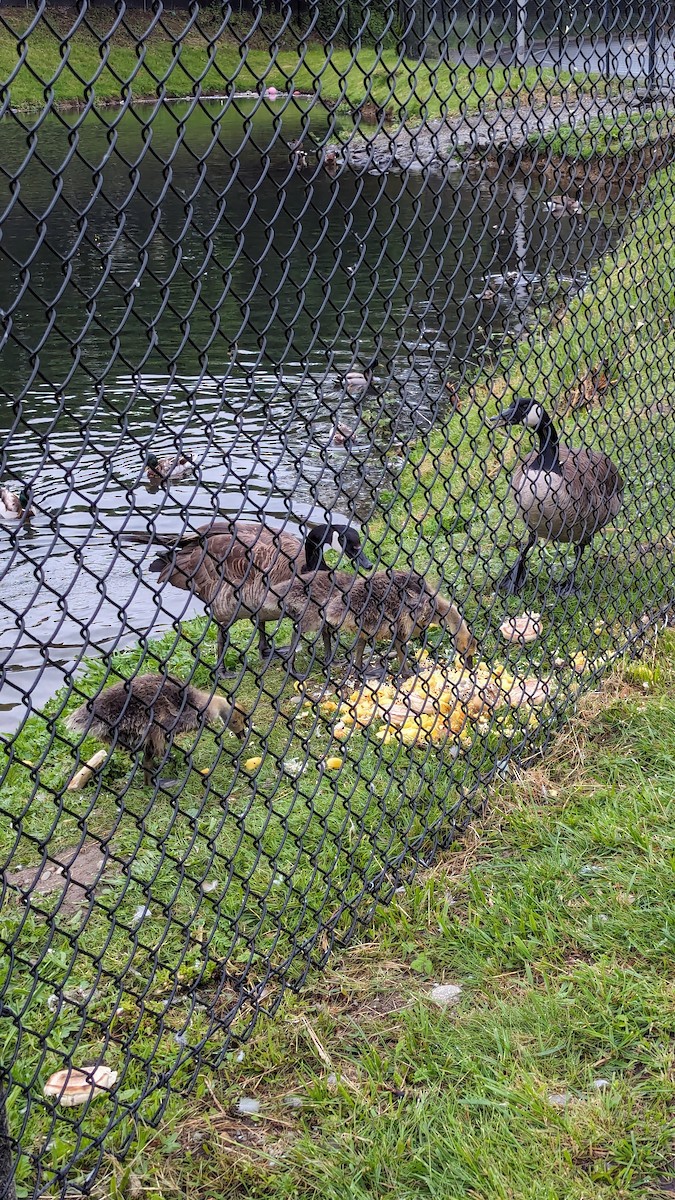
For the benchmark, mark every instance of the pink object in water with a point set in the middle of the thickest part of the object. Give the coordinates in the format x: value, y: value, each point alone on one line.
x: 271, y: 92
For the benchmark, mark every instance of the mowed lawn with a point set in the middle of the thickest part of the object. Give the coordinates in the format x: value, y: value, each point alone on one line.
x: 70, y: 60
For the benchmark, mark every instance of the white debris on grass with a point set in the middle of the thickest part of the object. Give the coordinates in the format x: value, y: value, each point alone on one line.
x: 445, y: 994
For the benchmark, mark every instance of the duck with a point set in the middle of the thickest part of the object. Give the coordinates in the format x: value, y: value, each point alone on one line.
x: 359, y: 380
x: 146, y: 712
x: 330, y: 162
x: 13, y: 505
x: 563, y: 494
x: 298, y: 154
x: 393, y: 605
x: 236, y: 568
x: 342, y: 435
x: 566, y: 206
x: 174, y: 466
x: 371, y: 113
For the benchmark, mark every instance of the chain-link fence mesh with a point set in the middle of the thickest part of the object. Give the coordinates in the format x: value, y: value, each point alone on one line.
x: 337, y: 458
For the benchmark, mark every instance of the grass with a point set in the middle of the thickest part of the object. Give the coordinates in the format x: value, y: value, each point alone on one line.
x: 108, y: 61
x: 299, y: 853
x: 606, y: 137
x: 555, y: 920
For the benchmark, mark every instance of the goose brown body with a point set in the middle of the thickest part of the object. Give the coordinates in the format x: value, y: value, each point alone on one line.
x: 13, y: 505
x: 238, y: 568
x: 391, y: 605
x: 570, y: 503
x: 563, y: 494
x: 145, y: 712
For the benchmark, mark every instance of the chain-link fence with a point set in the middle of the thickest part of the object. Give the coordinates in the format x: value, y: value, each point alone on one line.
x: 337, y: 459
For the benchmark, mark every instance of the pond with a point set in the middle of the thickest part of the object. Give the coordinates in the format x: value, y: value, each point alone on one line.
x: 173, y: 278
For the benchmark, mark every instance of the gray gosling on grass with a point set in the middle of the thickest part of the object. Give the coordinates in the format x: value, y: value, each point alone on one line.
x: 563, y: 494
x: 146, y: 711
x: 395, y: 606
x: 236, y: 568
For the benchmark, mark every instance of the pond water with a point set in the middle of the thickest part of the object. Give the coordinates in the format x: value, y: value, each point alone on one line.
x: 173, y: 279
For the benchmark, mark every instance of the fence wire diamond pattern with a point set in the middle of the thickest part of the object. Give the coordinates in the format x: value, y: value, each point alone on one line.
x: 337, y: 461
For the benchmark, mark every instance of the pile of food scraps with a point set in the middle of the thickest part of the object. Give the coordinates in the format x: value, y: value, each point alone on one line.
x: 438, y: 704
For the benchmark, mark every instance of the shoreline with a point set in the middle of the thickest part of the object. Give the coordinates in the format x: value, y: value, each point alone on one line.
x: 489, y: 136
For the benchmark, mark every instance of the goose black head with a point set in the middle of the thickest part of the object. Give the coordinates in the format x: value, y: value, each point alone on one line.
x: 341, y: 538
x: 524, y: 410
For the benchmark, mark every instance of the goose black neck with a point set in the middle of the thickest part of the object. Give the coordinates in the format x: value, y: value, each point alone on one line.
x: 549, y: 445
x: 314, y: 544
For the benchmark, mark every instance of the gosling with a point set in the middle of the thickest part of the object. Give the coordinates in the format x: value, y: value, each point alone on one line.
x: 395, y: 606
x: 145, y: 712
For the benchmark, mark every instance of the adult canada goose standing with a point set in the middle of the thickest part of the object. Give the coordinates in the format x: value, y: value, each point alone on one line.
x: 144, y: 712
x: 563, y: 494
x: 235, y: 567
x: 392, y: 605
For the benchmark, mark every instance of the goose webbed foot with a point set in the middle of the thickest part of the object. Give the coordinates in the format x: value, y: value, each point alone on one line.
x: 512, y: 583
x: 567, y: 587
x: 514, y: 579
x: 377, y: 671
x: 288, y: 658
x: 219, y: 673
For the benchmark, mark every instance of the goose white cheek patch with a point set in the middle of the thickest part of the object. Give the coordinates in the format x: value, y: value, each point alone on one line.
x: 533, y: 419
x: 335, y: 543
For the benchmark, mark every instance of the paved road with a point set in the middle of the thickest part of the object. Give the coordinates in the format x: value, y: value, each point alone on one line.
x: 625, y: 58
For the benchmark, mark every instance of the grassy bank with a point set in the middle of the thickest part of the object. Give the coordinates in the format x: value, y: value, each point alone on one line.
x: 145, y: 62
x: 550, y: 1079
x: 610, y: 137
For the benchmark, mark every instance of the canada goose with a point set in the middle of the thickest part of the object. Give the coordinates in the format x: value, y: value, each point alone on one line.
x: 392, y: 605
x: 174, y: 466
x: 566, y: 206
x: 563, y: 494
x: 14, y: 506
x: 236, y: 567
x: 146, y: 711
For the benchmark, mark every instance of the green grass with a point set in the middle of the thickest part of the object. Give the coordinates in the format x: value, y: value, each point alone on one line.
x: 606, y: 137
x: 133, y: 61
x: 290, y: 853
x: 555, y: 919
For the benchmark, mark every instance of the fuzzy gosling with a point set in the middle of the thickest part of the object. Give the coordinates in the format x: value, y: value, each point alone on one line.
x: 147, y: 711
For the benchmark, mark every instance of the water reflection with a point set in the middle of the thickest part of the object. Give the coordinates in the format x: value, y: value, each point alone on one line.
x: 195, y: 285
